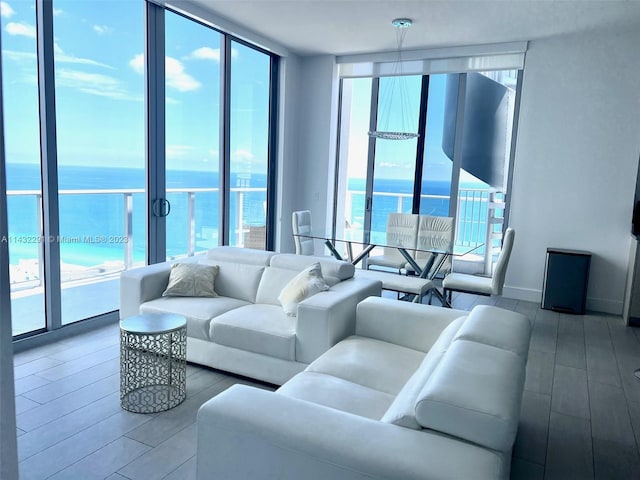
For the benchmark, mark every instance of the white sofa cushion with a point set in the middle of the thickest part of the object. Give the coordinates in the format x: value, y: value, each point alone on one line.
x: 197, y: 310
x: 331, y: 267
x: 474, y: 393
x: 236, y: 280
x: 245, y: 255
x: 304, y: 285
x: 402, y: 411
x: 372, y: 363
x: 257, y: 328
x: 337, y: 393
x: 272, y: 282
x: 497, y: 327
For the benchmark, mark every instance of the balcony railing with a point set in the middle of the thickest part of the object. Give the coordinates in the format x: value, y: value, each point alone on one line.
x: 20, y: 280
x: 476, y: 215
x: 477, y: 212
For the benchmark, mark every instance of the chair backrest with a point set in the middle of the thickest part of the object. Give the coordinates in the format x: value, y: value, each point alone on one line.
x: 500, y: 270
x: 301, y: 224
x: 402, y: 231
x: 435, y: 233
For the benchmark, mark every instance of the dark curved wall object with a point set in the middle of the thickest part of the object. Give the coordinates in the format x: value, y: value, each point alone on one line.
x: 486, y: 113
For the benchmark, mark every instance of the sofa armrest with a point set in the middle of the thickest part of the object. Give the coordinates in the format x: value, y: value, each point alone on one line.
x: 408, y: 324
x: 328, y: 317
x: 247, y: 432
x: 140, y: 285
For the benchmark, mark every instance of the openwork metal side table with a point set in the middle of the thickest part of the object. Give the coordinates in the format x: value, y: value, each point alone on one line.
x: 153, y: 362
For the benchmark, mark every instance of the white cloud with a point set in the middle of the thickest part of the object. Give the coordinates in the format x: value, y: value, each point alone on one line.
x: 137, y: 63
x: 102, y: 29
x: 57, y: 12
x: 208, y: 53
x: 19, y: 56
x: 22, y: 29
x: 176, y: 77
x: 205, y: 53
x: 5, y: 10
x: 94, y: 84
x: 61, y: 57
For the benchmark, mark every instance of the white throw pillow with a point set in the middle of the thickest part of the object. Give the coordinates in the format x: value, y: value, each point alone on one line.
x: 307, y: 283
x: 191, y: 280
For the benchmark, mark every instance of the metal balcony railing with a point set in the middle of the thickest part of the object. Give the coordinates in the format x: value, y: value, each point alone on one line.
x: 476, y: 217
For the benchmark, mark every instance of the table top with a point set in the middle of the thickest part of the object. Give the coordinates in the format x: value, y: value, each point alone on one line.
x: 153, y: 323
x: 458, y: 250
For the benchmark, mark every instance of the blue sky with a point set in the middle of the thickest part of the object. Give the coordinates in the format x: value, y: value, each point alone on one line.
x: 100, y: 87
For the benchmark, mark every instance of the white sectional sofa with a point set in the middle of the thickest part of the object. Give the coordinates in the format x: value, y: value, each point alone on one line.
x: 418, y: 392
x: 245, y: 330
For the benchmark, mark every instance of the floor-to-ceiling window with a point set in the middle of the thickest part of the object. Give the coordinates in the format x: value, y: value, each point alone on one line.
x: 22, y: 152
x: 101, y: 155
x: 459, y: 169
x: 80, y: 99
x: 192, y: 146
x: 249, y: 145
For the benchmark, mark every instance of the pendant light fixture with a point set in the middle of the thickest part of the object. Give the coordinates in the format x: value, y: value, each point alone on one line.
x: 396, y: 81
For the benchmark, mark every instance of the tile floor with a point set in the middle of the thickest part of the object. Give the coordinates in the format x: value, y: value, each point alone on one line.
x: 580, y: 413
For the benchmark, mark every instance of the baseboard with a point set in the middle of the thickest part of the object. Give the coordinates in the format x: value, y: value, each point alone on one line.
x: 601, y: 305
x: 526, y: 294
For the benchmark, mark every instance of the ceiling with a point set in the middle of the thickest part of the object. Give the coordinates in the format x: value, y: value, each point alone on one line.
x: 341, y: 27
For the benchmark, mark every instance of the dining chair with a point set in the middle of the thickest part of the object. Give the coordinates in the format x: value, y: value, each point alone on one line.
x: 434, y: 233
x: 301, y: 224
x: 487, y: 286
x: 402, y: 229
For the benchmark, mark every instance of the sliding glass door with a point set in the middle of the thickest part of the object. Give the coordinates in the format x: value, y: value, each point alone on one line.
x: 192, y: 146
x: 126, y: 145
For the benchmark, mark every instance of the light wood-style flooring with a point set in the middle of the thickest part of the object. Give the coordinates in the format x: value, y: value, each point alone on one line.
x: 580, y: 413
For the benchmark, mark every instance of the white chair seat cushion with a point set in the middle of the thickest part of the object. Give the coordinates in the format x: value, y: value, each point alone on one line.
x: 390, y: 261
x: 197, y: 310
x: 472, y: 283
x: 337, y: 393
x: 259, y: 328
x: 474, y: 393
x: 398, y: 283
x: 371, y: 363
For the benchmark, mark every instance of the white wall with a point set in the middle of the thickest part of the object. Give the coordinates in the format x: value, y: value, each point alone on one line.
x: 576, y: 158
x: 309, y: 176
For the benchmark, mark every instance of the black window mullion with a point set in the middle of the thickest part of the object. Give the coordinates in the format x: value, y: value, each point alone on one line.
x: 225, y: 144
x: 272, y: 153
x: 156, y: 129
x: 49, y: 163
x: 422, y: 133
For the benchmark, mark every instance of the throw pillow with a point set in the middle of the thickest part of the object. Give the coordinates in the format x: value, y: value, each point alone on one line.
x: 191, y: 280
x: 307, y: 283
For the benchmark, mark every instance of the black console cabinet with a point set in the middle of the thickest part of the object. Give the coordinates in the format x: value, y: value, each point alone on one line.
x: 565, y: 280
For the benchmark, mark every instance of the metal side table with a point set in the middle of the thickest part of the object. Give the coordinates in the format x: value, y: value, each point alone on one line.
x: 153, y: 362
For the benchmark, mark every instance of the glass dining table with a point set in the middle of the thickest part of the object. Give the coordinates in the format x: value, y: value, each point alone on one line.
x: 435, y: 257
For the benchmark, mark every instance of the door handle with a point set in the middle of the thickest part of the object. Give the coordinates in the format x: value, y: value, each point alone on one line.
x: 161, y: 207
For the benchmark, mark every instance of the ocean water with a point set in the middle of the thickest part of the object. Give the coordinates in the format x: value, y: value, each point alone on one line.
x: 92, y: 225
